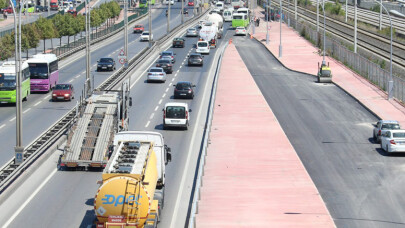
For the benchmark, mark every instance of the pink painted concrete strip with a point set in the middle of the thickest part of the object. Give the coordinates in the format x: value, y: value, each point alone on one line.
x: 300, y: 55
x: 253, y: 176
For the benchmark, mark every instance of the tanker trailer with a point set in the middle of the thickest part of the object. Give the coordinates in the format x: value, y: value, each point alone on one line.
x: 132, y: 189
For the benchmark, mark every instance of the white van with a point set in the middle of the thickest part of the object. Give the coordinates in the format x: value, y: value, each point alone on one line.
x: 203, y: 47
x: 244, y: 11
x: 227, y: 15
x: 220, y: 6
x: 176, y: 114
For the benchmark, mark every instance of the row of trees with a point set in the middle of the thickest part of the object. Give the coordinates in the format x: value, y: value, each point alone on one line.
x: 57, y: 27
x: 3, y: 4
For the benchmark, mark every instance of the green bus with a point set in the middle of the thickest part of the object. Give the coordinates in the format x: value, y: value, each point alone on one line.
x: 240, y: 20
x: 143, y: 3
x: 8, y: 82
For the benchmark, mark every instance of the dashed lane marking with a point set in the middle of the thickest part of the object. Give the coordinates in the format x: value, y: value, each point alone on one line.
x: 156, y: 108
x: 71, y: 80
x: 27, y: 110
x: 47, y: 97
x: 167, y: 90
x: 152, y: 115
x: 39, y: 102
x: 163, y: 95
x: 2, y: 126
x: 12, y: 119
x: 160, y: 101
x: 147, y: 124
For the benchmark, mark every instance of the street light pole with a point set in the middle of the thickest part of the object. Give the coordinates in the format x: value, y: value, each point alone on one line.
x: 317, y: 15
x: 182, y: 11
x: 296, y: 14
x: 280, y: 48
x: 88, y: 52
x: 267, y: 21
x: 126, y: 32
x: 355, y: 26
x: 150, y: 23
x: 288, y: 14
x: 380, y: 24
x: 324, y: 33
x: 168, y: 18
x: 346, y: 12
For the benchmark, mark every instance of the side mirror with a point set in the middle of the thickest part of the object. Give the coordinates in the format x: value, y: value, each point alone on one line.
x: 163, y: 109
x: 174, y: 85
x: 190, y: 110
x: 98, y: 61
x: 130, y: 102
x: 193, y: 85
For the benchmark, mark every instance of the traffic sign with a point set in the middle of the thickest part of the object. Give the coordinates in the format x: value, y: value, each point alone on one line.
x: 122, y: 53
x: 122, y: 59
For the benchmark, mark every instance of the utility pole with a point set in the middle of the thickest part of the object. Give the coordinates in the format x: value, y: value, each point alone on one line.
x: 48, y: 2
x: 317, y: 15
x: 88, y: 52
x: 346, y: 12
x: 126, y: 32
x: 150, y: 23
x: 380, y: 24
x: 280, y: 48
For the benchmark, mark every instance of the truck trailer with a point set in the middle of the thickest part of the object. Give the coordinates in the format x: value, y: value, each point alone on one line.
x: 131, y: 193
x: 105, y: 113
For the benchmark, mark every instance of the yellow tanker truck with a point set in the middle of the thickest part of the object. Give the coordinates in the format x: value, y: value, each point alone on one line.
x: 132, y: 189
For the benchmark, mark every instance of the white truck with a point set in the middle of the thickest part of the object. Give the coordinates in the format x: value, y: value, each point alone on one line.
x: 212, y: 29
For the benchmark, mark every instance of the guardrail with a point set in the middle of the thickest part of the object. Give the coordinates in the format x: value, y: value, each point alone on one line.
x: 10, y: 171
x: 201, y: 158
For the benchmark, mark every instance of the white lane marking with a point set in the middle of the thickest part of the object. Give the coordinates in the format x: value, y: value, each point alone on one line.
x: 77, y: 76
x: 29, y: 199
x: 160, y: 101
x: 12, y: 119
x: 163, y: 95
x: 151, y: 116
x: 27, y: 110
x: 39, y: 102
x: 167, y: 90
x: 170, y: 84
x: 178, y: 71
x: 187, y: 164
x: 83, y: 72
x: 172, y: 79
x: 147, y: 124
x: 71, y: 80
x: 175, y: 75
x: 47, y: 97
x: 2, y: 126
x: 157, y: 106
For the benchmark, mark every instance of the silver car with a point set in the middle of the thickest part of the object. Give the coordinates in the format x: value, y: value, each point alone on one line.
x: 156, y: 74
x: 191, y: 32
x: 382, y: 126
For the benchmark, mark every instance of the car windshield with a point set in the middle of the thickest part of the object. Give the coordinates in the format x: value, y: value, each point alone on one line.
x: 398, y: 135
x: 166, y: 54
x: 105, y: 60
x: 38, y: 70
x: 138, y: 26
x: 7, y: 81
x: 145, y: 33
x: 183, y: 86
x: 164, y: 61
x: 156, y: 70
x: 195, y: 57
x: 202, y: 44
x: 237, y: 17
x: 61, y: 87
x: 390, y: 126
x: 192, y: 30
x: 175, y: 112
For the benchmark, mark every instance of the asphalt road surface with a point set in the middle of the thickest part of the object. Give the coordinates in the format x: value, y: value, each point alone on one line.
x: 332, y: 134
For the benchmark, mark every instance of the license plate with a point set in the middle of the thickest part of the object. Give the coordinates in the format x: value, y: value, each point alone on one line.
x: 182, y: 94
x: 104, y: 67
x: 175, y: 121
x: 60, y: 98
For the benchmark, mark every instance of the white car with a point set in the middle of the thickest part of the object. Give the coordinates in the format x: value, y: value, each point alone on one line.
x: 156, y: 74
x: 383, y: 125
x: 393, y: 141
x: 176, y: 114
x: 166, y: 2
x: 241, y: 31
x: 145, y: 36
x: 203, y: 47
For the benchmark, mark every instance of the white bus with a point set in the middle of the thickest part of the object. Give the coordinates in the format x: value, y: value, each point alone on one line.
x: 236, y: 4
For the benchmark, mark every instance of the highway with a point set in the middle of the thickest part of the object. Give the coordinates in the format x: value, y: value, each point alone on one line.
x: 39, y: 113
x: 52, y: 198
x: 331, y: 133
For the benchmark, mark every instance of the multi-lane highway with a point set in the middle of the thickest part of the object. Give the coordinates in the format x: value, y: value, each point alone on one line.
x: 332, y: 134
x: 52, y: 198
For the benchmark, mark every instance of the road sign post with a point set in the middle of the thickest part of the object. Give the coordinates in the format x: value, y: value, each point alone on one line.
x: 19, y: 155
x: 122, y: 58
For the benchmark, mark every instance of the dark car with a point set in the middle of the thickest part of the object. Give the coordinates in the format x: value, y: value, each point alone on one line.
x: 63, y: 92
x: 178, y: 42
x: 166, y: 64
x: 106, y: 64
x: 184, y: 90
x: 195, y: 59
x: 139, y: 28
x: 185, y: 11
x: 39, y: 8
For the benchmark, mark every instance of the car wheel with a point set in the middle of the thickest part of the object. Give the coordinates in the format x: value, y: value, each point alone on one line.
x: 374, y: 138
x: 164, y: 127
x: 26, y: 97
x: 386, y: 149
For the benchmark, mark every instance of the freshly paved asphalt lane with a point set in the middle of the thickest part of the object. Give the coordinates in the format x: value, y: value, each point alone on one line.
x: 66, y: 200
x: 331, y: 132
x: 39, y: 113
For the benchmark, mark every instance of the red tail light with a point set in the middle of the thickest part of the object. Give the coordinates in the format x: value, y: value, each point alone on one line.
x: 169, y: 65
x: 161, y: 74
x: 149, y: 73
x: 62, y: 164
x: 379, y: 132
x: 186, y: 114
x: 158, y: 65
x: 392, y: 142
x: 164, y: 114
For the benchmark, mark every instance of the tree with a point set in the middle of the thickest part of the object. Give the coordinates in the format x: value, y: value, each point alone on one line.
x: 3, y: 4
x: 70, y: 23
x: 78, y: 25
x: 95, y: 19
x: 33, y: 36
x: 59, y: 23
x: 46, y: 29
x: 7, y: 46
